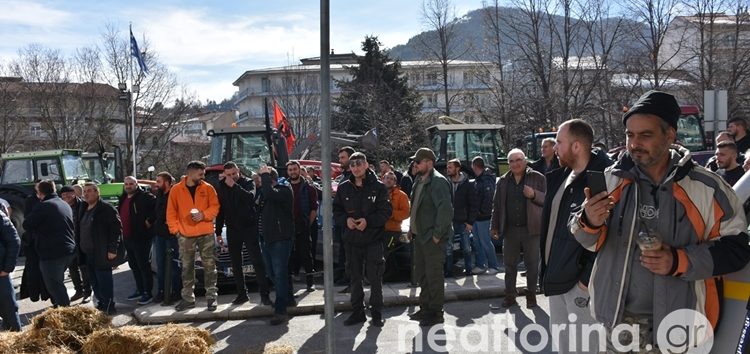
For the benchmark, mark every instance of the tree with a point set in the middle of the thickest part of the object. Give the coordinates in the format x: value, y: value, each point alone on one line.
x: 378, y: 96
x: 298, y: 94
x: 11, y: 128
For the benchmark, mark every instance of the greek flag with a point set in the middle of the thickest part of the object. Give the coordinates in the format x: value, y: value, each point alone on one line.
x: 134, y: 51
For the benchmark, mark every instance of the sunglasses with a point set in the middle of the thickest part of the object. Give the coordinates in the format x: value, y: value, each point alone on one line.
x: 355, y: 163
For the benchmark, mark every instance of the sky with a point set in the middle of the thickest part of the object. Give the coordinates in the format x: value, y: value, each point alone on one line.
x: 209, y: 44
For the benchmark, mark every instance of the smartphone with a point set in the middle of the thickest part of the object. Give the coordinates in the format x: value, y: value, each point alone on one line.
x: 596, y: 182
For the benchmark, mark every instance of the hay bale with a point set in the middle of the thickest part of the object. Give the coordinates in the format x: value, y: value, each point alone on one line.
x: 123, y: 340
x: 280, y: 349
x: 177, y: 339
x: 23, y: 343
x: 68, y: 326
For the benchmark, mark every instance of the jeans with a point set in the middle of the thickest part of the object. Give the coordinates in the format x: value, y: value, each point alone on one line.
x: 102, y: 283
x: 138, y: 259
x: 485, y: 250
x: 79, y: 276
x: 161, y: 244
x: 459, y: 228
x: 8, y: 305
x: 236, y: 237
x: 53, y: 274
x: 279, y: 253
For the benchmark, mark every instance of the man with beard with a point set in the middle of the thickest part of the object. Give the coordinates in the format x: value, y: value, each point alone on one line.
x: 566, y: 265
x: 78, y: 274
x: 721, y: 137
x: 738, y: 128
x: 363, y: 204
x: 688, y: 225
x: 136, y: 209
x: 305, y: 214
x: 726, y: 160
x: 342, y: 272
x: 431, y: 228
x: 465, y: 209
x: 191, y: 210
x: 164, y: 241
x: 237, y: 210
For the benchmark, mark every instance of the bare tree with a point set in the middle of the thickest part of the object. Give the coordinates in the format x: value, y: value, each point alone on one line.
x: 298, y: 94
x: 11, y: 128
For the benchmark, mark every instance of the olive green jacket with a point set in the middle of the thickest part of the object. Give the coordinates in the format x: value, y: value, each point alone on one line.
x: 435, y: 210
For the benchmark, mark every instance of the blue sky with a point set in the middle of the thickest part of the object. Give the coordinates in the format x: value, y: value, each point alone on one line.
x: 209, y: 44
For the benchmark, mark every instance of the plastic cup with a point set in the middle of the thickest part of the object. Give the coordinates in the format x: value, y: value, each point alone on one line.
x: 194, y: 212
x: 648, y: 242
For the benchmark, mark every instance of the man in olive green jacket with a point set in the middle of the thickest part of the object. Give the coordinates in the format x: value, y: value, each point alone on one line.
x: 430, y: 227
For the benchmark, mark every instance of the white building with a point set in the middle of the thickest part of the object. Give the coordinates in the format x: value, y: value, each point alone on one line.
x: 467, y: 86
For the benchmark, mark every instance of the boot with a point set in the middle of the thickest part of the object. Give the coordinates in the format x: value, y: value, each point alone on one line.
x: 377, y: 318
x: 355, y: 318
x: 510, y: 300
x: 531, y: 300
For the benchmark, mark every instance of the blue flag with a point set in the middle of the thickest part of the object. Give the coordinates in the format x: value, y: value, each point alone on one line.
x: 134, y: 51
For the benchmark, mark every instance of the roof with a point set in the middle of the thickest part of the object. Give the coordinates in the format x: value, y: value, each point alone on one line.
x: 467, y: 127
x: 717, y: 19
x: 83, y: 89
x: 21, y: 155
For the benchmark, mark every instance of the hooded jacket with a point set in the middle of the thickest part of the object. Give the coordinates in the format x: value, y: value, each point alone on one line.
x: 400, y: 205
x: 371, y: 201
x: 485, y: 186
x: 277, y: 216
x: 568, y: 261
x: 465, y: 200
x: 181, y: 202
x: 708, y: 241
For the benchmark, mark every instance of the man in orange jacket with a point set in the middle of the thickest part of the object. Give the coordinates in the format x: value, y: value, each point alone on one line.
x: 400, y: 204
x: 191, y: 210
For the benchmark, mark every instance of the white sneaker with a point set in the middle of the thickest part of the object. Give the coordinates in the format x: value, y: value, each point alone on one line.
x: 492, y: 271
x: 477, y: 271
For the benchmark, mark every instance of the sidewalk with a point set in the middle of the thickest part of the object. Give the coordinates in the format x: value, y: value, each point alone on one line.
x: 394, y: 294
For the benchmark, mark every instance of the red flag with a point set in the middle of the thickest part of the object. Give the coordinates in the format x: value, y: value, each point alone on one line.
x: 283, y: 126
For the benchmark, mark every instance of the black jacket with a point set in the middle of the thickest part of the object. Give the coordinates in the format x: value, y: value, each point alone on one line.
x: 160, y: 215
x: 465, y: 201
x: 485, y: 187
x: 107, y: 233
x: 541, y: 167
x: 10, y: 244
x: 278, y: 217
x: 51, y: 224
x: 236, y: 205
x: 371, y: 202
x: 141, y: 210
x: 568, y: 262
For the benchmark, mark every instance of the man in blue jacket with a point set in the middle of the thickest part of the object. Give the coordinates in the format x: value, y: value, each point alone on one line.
x: 51, y: 222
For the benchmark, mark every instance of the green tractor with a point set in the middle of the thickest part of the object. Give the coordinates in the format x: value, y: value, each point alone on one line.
x: 457, y: 140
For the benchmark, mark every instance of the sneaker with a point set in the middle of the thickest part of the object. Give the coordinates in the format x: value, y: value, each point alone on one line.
x: 509, y: 301
x: 418, y: 315
x: 478, y: 271
x: 377, y: 318
x: 77, y: 296
x: 86, y: 298
x: 492, y: 271
x: 145, y: 299
x: 184, y: 305
x: 279, y: 319
x: 240, y: 299
x: 135, y: 296
x: 432, y: 319
x: 355, y: 318
x: 211, y: 304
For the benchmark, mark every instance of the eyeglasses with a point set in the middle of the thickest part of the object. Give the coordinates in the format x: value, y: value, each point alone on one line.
x: 357, y: 162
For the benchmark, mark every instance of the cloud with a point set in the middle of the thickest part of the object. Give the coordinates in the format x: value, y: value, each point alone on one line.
x: 32, y: 14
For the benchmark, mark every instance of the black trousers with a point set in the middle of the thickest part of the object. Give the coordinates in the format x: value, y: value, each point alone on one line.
x: 366, y: 260
x: 341, y: 271
x: 80, y: 277
x: 139, y: 251
x: 302, y: 254
x: 248, y: 236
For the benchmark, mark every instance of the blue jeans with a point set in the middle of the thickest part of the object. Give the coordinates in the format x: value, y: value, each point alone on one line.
x: 102, y: 283
x: 161, y: 244
x: 485, y: 250
x: 459, y: 228
x: 8, y: 305
x: 53, y: 274
x: 279, y: 253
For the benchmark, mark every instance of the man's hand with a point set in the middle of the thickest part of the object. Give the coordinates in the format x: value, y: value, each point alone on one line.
x: 351, y: 224
x: 3, y: 274
x: 229, y: 181
x: 111, y: 256
x: 495, y: 235
x: 658, y: 262
x: 198, y: 217
x: 435, y: 240
x: 361, y: 224
x: 583, y: 287
x: 468, y: 227
x: 597, y: 208
x: 529, y: 192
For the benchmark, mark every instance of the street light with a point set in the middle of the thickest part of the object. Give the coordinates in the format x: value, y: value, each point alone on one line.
x: 150, y: 170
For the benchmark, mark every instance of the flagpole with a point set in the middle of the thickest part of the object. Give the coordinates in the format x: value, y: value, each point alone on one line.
x: 132, y: 100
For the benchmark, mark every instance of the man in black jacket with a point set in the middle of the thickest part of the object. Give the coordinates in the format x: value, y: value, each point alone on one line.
x: 100, y: 231
x: 164, y: 241
x: 78, y: 274
x: 566, y: 265
x: 136, y: 209
x: 485, y: 249
x: 342, y: 273
x: 276, y: 224
x: 10, y: 243
x: 363, y: 205
x: 237, y: 210
x: 465, y: 209
x: 51, y: 223
x: 548, y: 161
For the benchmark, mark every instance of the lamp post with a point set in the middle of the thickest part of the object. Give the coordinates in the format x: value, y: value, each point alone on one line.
x: 151, y: 170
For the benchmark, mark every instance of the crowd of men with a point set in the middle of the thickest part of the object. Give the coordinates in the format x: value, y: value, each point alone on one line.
x: 584, y: 249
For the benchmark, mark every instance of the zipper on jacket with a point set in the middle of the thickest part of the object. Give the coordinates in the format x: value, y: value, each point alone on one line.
x: 627, y: 255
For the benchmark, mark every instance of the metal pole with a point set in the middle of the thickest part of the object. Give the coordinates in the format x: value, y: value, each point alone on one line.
x: 325, y: 144
x: 132, y: 127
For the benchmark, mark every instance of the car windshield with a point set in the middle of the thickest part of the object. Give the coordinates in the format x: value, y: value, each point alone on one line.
x: 689, y: 132
x: 74, y: 167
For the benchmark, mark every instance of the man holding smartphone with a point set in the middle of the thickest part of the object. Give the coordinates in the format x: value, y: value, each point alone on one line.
x: 566, y: 265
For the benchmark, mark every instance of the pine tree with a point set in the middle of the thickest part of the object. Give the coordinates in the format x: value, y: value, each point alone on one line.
x: 378, y: 96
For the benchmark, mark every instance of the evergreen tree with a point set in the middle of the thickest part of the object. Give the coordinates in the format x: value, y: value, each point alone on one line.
x: 379, y: 97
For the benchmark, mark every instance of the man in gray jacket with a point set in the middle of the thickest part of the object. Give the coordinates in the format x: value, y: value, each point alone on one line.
x: 517, y: 216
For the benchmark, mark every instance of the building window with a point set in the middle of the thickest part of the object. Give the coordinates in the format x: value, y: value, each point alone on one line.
x: 35, y: 130
x: 431, y: 78
x: 155, y: 141
x: 265, y: 85
x: 311, y: 81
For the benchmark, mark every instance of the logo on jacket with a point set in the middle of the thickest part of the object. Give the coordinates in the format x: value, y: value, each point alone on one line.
x: 648, y: 212
x: 372, y: 198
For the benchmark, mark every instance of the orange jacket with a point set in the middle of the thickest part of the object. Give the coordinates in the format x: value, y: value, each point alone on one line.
x: 181, y: 202
x: 400, y: 203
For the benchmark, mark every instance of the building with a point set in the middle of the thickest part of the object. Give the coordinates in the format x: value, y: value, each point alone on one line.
x: 291, y: 85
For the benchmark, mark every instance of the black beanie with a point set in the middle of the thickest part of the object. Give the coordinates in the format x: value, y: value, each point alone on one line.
x: 657, y: 103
